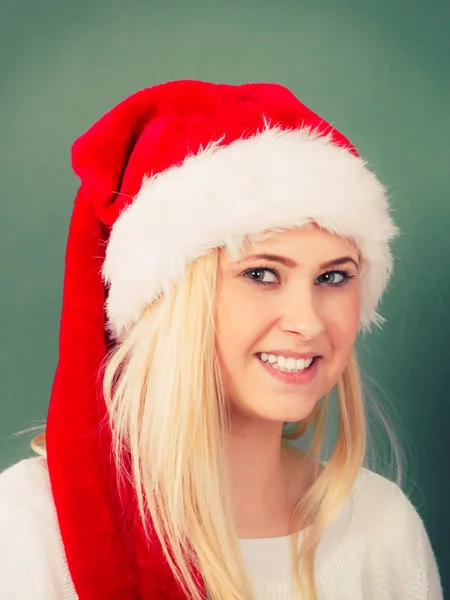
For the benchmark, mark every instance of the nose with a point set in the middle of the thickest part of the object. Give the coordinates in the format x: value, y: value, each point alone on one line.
x: 300, y: 315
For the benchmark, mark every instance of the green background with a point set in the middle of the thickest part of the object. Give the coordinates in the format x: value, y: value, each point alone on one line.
x: 378, y: 70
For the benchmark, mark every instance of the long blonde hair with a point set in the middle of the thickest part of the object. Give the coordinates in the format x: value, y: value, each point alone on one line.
x: 167, y: 409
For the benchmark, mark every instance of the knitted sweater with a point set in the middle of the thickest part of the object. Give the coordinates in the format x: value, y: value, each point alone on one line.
x: 376, y: 548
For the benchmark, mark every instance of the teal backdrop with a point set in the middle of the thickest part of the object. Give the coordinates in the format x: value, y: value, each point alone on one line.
x: 378, y: 70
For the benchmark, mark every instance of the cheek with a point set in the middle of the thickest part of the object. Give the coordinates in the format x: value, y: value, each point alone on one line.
x: 237, y: 331
x: 241, y: 322
x: 230, y: 328
x: 343, y: 322
x: 240, y: 317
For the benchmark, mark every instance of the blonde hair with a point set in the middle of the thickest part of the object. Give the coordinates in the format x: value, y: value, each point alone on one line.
x: 167, y: 411
x: 330, y: 490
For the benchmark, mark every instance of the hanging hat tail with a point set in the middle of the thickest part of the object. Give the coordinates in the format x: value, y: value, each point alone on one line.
x: 105, y: 549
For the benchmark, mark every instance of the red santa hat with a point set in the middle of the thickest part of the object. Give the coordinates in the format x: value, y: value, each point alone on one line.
x: 166, y: 175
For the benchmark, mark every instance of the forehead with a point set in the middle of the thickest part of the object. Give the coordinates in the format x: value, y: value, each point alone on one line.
x: 306, y: 244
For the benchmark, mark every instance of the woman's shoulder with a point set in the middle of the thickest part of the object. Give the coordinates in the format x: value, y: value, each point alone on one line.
x: 25, y: 493
x: 381, y: 504
x: 31, y: 472
x: 377, y: 486
x: 388, y: 529
x: 32, y: 559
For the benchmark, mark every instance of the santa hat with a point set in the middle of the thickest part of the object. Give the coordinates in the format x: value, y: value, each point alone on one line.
x: 166, y: 175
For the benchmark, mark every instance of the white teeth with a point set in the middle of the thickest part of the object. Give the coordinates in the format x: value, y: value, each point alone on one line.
x: 286, y: 364
x: 281, y: 362
x: 291, y: 364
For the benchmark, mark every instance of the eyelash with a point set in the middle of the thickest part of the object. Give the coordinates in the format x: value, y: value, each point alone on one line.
x: 346, y: 274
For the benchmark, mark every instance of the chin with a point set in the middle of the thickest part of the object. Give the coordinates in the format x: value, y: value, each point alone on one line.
x: 287, y: 414
x: 274, y: 407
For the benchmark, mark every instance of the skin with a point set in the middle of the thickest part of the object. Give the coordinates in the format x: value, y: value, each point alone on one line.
x: 301, y: 309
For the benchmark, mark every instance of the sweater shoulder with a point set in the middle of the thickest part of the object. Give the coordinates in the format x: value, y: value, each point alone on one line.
x: 380, y: 505
x: 26, y: 497
x: 376, y: 487
x: 395, y: 536
x: 25, y: 494
x: 32, y: 558
x: 29, y: 475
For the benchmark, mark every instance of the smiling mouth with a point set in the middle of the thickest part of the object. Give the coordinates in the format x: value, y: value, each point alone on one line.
x: 286, y: 365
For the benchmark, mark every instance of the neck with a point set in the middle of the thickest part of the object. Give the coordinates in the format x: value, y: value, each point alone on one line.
x: 263, y: 491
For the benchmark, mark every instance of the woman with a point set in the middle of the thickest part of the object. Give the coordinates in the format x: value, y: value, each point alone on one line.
x: 240, y: 243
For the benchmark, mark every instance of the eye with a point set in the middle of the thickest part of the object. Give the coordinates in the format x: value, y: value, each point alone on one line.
x: 262, y: 275
x: 335, y: 278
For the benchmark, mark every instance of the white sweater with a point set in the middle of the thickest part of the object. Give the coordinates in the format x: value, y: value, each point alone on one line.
x: 375, y: 549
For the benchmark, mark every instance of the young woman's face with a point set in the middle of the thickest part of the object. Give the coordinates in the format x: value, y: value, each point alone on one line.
x: 287, y: 319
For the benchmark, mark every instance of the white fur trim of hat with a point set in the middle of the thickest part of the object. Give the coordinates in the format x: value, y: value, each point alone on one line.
x: 276, y: 180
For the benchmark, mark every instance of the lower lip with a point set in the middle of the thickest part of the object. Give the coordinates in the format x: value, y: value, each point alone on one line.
x: 293, y: 378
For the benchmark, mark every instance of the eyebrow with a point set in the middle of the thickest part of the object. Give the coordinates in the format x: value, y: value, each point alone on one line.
x: 288, y: 262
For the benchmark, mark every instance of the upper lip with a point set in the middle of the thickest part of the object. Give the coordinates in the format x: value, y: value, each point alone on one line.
x: 292, y: 354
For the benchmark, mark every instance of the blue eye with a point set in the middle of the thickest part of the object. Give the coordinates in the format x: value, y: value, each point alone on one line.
x: 334, y: 278
x: 262, y: 275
